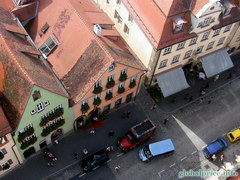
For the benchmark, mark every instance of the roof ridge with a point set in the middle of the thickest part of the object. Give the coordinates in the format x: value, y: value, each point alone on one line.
x: 15, y: 59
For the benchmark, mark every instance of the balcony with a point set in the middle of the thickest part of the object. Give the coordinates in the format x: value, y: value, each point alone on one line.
x: 110, y: 83
x: 121, y: 90
x: 109, y: 96
x: 23, y: 135
x: 85, y: 107
x: 132, y: 84
x: 97, y: 90
x: 47, y: 130
x: 57, y: 113
x: 97, y: 101
x: 123, y: 77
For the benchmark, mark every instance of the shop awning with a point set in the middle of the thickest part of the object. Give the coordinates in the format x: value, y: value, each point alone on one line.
x: 216, y: 63
x: 172, y: 81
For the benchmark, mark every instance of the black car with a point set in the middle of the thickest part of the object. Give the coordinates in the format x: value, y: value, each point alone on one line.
x: 94, y: 160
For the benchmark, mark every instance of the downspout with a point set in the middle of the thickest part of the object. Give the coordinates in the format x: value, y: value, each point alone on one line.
x: 159, y: 52
x: 138, y: 87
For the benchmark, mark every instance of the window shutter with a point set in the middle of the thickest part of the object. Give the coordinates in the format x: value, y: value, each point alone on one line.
x: 4, y: 151
x: 10, y: 161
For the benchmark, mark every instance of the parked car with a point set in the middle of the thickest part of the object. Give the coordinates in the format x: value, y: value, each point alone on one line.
x: 234, y: 135
x: 94, y: 160
x: 160, y: 148
x: 215, y: 147
x: 136, y: 135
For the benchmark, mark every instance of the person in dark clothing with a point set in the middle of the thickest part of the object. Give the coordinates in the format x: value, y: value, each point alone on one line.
x: 191, y: 98
x: 111, y: 133
x: 128, y: 114
x: 165, y: 121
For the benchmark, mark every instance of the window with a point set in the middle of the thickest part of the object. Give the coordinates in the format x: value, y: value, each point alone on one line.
x: 130, y: 18
x: 45, y: 28
x: 109, y: 91
x: 133, y: 78
x: 187, y: 54
x: 178, y: 28
x: 227, y: 28
x: 111, y: 68
x: 220, y: 41
x: 212, y: 20
x: 216, y: 32
x: 47, y: 46
x: 238, y: 39
x: 118, y: 17
x: 199, y: 50
x: 193, y: 41
x: 200, y: 24
x: 98, y: 84
x: 121, y: 84
x: 124, y: 71
x: 97, y: 96
x: 110, y: 77
x: 46, y: 103
x: 33, y: 112
x: 119, y: 2
x: 206, y: 21
x: 205, y: 35
x: 3, y: 140
x: 210, y: 45
x: 40, y: 107
x: 227, y: 11
x: 175, y: 58
x: 126, y: 29
x: 180, y: 45
x: 36, y: 95
x: 167, y: 50
x: 163, y: 63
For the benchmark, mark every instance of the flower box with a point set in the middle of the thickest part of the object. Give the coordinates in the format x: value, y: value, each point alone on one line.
x: 97, y: 90
x: 121, y: 90
x: 46, y: 131
x: 132, y: 84
x: 28, y: 143
x: 25, y: 134
x: 110, y: 84
x: 123, y: 77
x: 97, y: 101
x: 85, y: 107
x: 57, y: 113
x: 109, y: 96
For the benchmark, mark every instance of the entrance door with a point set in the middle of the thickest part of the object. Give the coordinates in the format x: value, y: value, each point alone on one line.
x: 107, y: 108
x: 118, y: 103
x: 43, y: 144
x: 29, y: 152
x: 129, y: 97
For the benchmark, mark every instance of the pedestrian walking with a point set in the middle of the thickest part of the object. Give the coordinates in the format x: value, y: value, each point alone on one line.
x: 229, y: 76
x: 117, y: 168
x: 222, y: 157
x: 56, y: 141
x: 190, y: 99
x: 154, y: 106
x: 128, y: 114
x: 92, y: 131
x: 75, y: 155
x: 50, y: 163
x: 214, y: 157
x: 216, y: 78
x: 111, y: 133
x: 174, y: 100
x: 209, y: 101
x: 165, y: 121
x: 207, y: 85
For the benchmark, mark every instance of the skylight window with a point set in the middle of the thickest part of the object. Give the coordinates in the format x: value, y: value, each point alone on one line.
x: 47, y: 46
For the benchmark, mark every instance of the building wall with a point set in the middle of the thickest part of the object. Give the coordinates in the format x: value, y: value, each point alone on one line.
x: 136, y: 38
x: 9, y: 155
x: 235, y: 41
x: 27, y: 119
x: 131, y: 72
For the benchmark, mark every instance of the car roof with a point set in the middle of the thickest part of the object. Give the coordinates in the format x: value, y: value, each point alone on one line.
x: 161, y: 147
x: 214, y: 146
x: 235, y: 132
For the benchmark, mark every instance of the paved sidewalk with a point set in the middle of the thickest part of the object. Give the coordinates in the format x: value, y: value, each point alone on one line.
x: 168, y: 106
x: 36, y: 167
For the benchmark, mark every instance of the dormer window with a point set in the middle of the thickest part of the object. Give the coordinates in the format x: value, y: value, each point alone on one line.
x: 178, y: 22
x: 47, y: 46
x: 226, y: 7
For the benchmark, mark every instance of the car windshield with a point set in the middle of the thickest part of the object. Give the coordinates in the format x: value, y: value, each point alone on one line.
x: 131, y: 138
x: 206, y: 152
x: 221, y: 143
x: 231, y: 136
x: 147, y: 152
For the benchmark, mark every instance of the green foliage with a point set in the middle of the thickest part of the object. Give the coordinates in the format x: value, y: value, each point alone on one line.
x: 155, y: 94
x: 85, y: 108
x: 132, y: 84
x: 58, y: 112
x: 123, y: 77
x: 97, y: 101
x: 5, y: 166
x: 28, y: 143
x: 25, y: 134
x: 46, y: 131
x: 109, y: 96
x: 110, y: 84
x: 121, y: 90
x: 97, y: 90
x: 1, y: 155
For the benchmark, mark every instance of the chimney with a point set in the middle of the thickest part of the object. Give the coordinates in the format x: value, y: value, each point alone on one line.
x: 97, y: 29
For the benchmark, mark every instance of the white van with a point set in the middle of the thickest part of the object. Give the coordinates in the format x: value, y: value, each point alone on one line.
x: 159, y: 148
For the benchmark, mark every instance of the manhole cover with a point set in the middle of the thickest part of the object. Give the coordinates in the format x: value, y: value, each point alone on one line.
x: 207, y: 166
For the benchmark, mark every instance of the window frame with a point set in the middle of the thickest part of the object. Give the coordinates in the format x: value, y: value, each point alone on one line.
x: 47, y: 46
x: 188, y: 54
x: 227, y: 28
x: 206, y: 21
x: 181, y: 45
x: 210, y: 47
x: 205, y: 36
x: 163, y: 63
x: 193, y: 42
x: 130, y: 18
x: 221, y: 40
x: 126, y: 29
x: 216, y: 32
x: 167, y: 50
x: 201, y: 48
x: 175, y: 59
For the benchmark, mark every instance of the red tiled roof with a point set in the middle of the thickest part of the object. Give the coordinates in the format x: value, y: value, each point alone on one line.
x: 7, y: 5
x: 14, y: 29
x: 27, y: 11
x: 81, y: 58
x: 153, y: 18
x: 4, y: 125
x: 109, y: 32
x: 21, y: 72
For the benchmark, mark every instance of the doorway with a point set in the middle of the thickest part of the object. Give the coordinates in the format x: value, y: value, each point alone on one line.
x: 118, y: 103
x: 43, y: 144
x: 129, y: 97
x: 29, y: 152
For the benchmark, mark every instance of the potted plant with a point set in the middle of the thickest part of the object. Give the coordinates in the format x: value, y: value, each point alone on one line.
x: 28, y: 143
x: 109, y: 96
x: 123, y: 77
x: 1, y: 155
x: 97, y: 101
x: 110, y: 84
x: 132, y: 83
x: 121, y: 90
x: 97, y: 90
